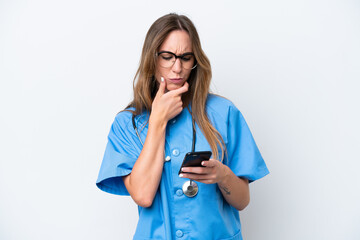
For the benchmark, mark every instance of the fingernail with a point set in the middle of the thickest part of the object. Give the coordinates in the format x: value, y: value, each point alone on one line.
x: 162, y: 79
x: 203, y: 163
x: 180, y: 175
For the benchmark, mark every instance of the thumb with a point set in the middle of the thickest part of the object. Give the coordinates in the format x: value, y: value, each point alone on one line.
x: 162, y: 87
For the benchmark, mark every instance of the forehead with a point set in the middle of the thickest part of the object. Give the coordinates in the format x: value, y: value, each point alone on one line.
x: 177, y: 41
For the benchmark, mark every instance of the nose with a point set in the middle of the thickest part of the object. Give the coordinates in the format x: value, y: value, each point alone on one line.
x: 177, y: 67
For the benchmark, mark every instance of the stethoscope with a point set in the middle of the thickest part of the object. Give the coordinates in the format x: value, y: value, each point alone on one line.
x: 189, y: 188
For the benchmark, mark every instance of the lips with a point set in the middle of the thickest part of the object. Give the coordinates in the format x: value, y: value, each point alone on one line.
x: 176, y: 80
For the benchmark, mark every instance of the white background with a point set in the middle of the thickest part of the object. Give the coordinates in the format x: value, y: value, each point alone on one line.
x: 291, y: 67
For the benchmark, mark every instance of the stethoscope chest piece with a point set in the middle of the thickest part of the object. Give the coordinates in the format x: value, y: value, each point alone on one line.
x: 190, y: 188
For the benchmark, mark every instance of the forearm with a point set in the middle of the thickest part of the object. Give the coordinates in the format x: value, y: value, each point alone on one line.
x: 145, y: 176
x: 235, y: 190
x: 143, y: 181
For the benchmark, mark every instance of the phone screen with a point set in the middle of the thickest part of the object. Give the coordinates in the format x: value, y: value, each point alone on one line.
x: 194, y: 159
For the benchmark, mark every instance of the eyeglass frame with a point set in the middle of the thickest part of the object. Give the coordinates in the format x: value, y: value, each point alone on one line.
x: 179, y: 56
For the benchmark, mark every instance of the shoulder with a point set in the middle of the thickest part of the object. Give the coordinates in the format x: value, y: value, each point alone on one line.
x: 214, y: 99
x: 219, y: 105
x: 126, y: 119
x: 123, y: 118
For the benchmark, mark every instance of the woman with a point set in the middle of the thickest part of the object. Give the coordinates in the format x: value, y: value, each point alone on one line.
x: 172, y: 113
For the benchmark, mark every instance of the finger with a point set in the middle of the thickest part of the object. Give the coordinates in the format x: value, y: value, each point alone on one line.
x: 197, y: 177
x: 206, y: 181
x: 196, y: 170
x: 181, y: 90
x: 162, y: 87
x: 209, y: 163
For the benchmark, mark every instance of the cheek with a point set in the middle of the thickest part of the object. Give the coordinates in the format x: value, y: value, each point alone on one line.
x: 186, y: 75
x: 160, y: 72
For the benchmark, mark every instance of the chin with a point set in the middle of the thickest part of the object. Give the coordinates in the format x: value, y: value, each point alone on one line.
x: 171, y: 87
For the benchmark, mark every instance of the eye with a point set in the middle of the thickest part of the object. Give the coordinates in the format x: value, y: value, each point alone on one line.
x: 187, y: 57
x: 166, y: 56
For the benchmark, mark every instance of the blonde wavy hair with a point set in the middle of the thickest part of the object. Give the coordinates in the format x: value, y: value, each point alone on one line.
x: 145, y: 85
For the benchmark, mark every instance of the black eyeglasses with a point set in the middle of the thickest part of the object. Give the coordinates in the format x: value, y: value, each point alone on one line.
x: 167, y: 59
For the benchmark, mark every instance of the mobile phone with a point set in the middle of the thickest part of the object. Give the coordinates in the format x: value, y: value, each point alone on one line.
x: 194, y: 159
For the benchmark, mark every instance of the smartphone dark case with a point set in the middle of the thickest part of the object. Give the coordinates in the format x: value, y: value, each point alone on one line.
x: 194, y: 159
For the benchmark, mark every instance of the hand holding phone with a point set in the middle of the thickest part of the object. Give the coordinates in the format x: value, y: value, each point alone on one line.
x: 194, y: 159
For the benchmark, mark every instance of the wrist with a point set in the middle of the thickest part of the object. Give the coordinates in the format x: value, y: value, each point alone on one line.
x: 157, y: 123
x: 225, y: 175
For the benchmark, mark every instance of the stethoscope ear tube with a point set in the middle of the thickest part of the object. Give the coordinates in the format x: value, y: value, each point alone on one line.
x: 135, y: 128
x: 190, y: 188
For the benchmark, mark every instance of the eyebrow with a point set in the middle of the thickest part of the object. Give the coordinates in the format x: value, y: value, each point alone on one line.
x: 165, y: 51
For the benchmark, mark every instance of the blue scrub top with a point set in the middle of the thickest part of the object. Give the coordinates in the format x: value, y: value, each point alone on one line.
x: 172, y: 214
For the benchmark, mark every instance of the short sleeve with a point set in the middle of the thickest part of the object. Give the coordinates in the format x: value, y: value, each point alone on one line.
x: 244, y: 157
x: 120, y: 156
